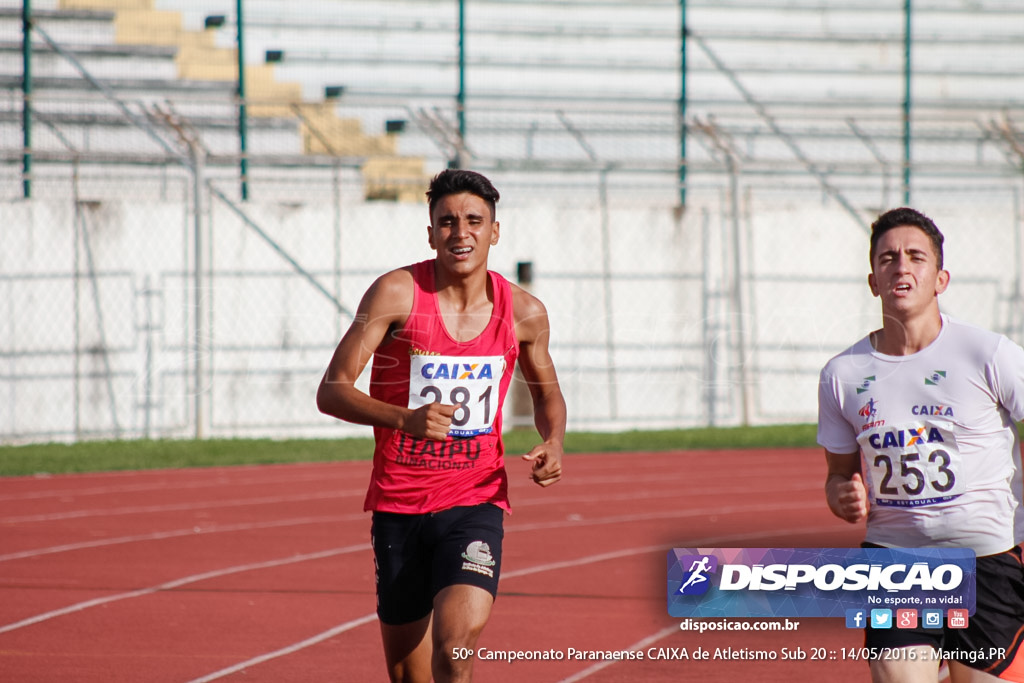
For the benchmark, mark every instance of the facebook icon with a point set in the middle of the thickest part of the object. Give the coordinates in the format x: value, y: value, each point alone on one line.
x: 856, y: 618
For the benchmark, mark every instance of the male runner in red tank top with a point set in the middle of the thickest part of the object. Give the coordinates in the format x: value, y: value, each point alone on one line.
x: 444, y: 335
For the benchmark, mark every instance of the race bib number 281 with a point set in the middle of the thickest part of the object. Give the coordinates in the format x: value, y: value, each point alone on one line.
x: 913, y: 465
x: 470, y: 382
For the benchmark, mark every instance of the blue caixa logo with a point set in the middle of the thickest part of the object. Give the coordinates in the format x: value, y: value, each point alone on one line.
x: 697, y: 579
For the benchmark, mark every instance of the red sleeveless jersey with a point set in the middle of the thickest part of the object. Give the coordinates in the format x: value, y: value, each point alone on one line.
x: 421, y: 363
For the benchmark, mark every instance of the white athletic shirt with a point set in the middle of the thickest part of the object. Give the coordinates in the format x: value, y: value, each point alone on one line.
x: 935, y: 430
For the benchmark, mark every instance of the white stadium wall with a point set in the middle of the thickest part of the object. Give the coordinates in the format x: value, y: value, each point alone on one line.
x: 646, y: 328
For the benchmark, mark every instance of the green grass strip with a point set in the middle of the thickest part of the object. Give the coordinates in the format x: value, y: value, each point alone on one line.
x: 99, y: 456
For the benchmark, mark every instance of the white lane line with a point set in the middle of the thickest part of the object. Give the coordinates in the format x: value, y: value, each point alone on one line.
x: 177, y: 533
x: 652, y: 495
x: 638, y: 645
x: 180, y: 507
x: 510, y: 528
x: 705, y: 542
x: 714, y: 541
x: 286, y: 473
x: 320, y: 637
x: 664, y: 633
x: 669, y: 514
x: 78, y: 607
x: 272, y: 500
x: 586, y: 480
x: 371, y: 617
x: 186, y: 471
x: 224, y: 481
x: 168, y: 485
x: 591, y: 559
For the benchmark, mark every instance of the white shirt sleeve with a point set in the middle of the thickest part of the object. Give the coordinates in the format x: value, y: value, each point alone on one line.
x: 835, y: 434
x: 1006, y: 377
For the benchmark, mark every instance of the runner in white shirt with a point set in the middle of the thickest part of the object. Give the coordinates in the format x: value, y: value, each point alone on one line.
x: 917, y: 421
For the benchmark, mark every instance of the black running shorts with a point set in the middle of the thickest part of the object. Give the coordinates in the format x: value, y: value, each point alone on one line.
x: 992, y: 641
x: 418, y: 555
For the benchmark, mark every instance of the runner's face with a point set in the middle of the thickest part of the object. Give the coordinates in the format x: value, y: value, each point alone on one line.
x: 462, y: 231
x: 905, y: 273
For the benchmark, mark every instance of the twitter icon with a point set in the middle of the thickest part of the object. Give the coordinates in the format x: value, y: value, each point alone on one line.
x: 881, y: 618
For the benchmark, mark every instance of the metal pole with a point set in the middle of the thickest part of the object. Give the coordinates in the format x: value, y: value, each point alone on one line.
x: 338, y: 330
x: 737, y: 291
x: 519, y: 392
x: 26, y: 98
x: 147, y: 401
x: 77, y: 299
x: 708, y: 366
x: 243, y: 123
x: 460, y: 101
x: 682, y: 103
x: 907, y: 73
x: 197, y: 301
x: 1016, y: 322
x: 606, y: 281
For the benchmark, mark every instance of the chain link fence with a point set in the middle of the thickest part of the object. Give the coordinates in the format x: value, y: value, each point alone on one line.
x: 152, y: 291
x: 722, y: 315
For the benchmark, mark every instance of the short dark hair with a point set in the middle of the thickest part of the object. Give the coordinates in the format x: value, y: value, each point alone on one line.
x: 896, y: 218
x: 456, y: 181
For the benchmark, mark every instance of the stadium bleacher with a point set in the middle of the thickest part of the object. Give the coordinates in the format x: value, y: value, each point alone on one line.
x: 174, y: 77
x: 554, y: 91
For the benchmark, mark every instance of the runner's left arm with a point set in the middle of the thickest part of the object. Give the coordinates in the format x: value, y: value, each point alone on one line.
x: 549, y: 413
x: 1006, y: 373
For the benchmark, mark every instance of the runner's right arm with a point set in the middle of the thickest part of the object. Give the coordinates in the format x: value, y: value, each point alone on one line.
x: 385, y: 306
x: 844, y: 487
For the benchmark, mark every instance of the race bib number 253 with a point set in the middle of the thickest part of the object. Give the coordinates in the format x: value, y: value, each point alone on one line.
x: 470, y: 382
x: 913, y: 465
